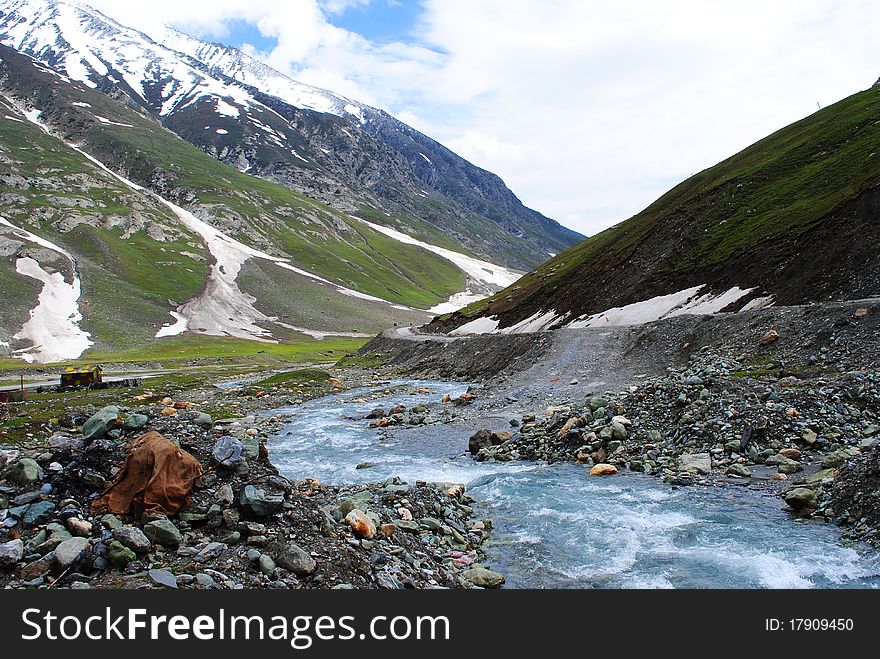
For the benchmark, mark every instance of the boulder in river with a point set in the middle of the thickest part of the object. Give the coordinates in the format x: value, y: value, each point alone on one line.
x: 603, y: 469
x: 480, y: 440
x: 483, y: 578
x: 801, y: 498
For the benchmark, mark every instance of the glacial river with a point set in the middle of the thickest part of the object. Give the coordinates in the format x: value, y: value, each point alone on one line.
x: 556, y: 527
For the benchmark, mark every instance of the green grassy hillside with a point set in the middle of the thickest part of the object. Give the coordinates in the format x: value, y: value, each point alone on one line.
x: 794, y: 216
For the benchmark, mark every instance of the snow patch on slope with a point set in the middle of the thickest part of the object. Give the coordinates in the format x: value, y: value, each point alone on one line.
x: 683, y: 302
x: 478, y: 326
x: 485, y: 275
x: 687, y: 301
x: 226, y: 109
x: 53, y: 327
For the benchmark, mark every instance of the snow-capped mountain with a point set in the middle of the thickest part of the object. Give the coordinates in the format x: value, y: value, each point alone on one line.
x: 344, y: 153
x: 234, y: 64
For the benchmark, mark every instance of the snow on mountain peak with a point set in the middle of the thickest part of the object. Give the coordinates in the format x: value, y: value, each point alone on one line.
x: 233, y: 63
x: 167, y: 74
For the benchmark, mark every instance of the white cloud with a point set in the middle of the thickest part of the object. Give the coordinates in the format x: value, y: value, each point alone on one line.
x: 588, y: 109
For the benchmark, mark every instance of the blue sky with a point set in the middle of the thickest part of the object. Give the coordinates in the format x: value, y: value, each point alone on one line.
x: 588, y: 109
x: 383, y: 22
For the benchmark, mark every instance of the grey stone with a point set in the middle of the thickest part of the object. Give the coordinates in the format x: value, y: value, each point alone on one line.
x: 700, y: 463
x: 618, y: 431
x: 257, y: 502
x: 135, y: 422
x: 11, y: 552
x: 225, y: 494
x: 801, y: 498
x: 228, y: 451
x: 133, y: 538
x: 294, y: 558
x: 738, y: 470
x: 266, y: 565
x: 205, y: 580
x: 163, y: 578
x: 163, y: 532
x: 483, y: 578
x: 835, y: 459
x: 211, y: 552
x: 23, y: 472
x: 101, y: 423
x: 69, y: 551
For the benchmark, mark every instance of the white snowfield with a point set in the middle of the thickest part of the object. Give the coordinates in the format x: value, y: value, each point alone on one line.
x: 687, y: 301
x: 483, y: 276
x: 222, y: 309
x: 53, y: 327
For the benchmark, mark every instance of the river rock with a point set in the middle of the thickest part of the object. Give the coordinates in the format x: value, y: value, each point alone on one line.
x: 228, y: 451
x: 618, y: 431
x: 294, y: 558
x: 480, y: 440
x: 163, y: 578
x: 266, y: 565
x: 787, y: 466
x: 738, y: 470
x: 699, y: 463
x: 135, y: 422
x: 35, y: 513
x: 257, y: 502
x: 212, y: 551
x: 119, y: 555
x: 23, y: 472
x: 100, y: 424
x: 163, y: 532
x: 361, y: 525
x: 11, y: 552
x: 483, y: 578
x: 801, y: 498
x: 809, y: 437
x: 603, y: 469
x: 69, y: 552
x: 133, y: 538
x: 835, y: 459
x: 79, y: 527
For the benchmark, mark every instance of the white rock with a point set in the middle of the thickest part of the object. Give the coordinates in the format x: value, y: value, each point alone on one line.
x: 69, y: 551
x: 11, y: 552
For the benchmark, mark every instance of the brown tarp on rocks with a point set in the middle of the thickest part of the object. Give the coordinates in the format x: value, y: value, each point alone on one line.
x: 157, y: 478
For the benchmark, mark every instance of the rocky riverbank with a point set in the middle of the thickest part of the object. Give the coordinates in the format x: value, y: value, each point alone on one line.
x: 245, y: 526
x: 717, y: 419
